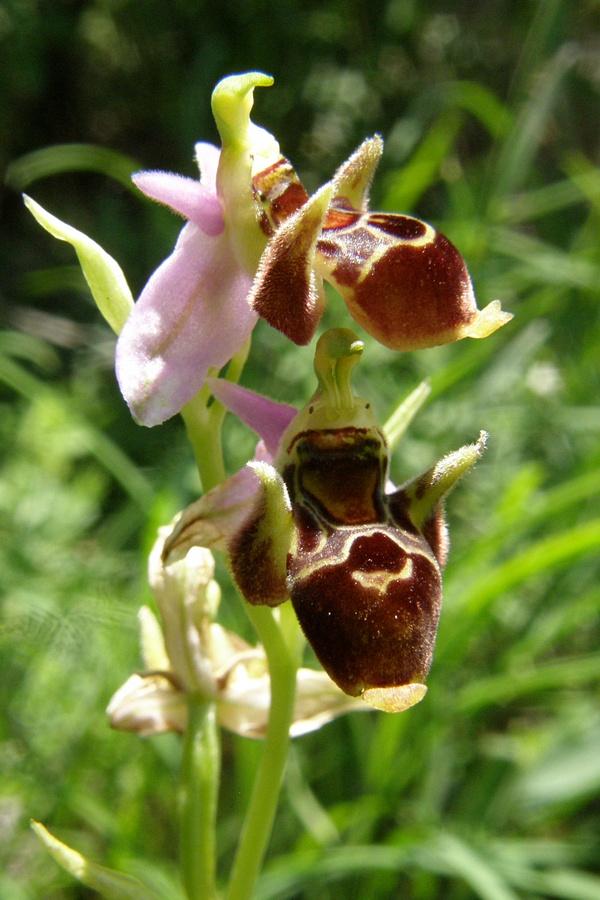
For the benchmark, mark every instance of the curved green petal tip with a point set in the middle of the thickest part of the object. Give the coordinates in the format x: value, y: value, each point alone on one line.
x: 232, y: 102
x: 102, y: 273
x: 246, y: 150
x: 338, y: 351
x: 338, y: 343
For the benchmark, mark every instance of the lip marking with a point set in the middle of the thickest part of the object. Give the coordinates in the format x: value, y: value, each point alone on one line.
x: 381, y: 580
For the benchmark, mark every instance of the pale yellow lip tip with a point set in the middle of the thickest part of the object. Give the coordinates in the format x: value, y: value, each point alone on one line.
x: 487, y: 320
x: 395, y: 699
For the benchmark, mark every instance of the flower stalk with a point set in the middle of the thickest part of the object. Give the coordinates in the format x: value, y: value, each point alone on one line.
x: 203, y: 424
x: 282, y: 642
x: 200, y: 774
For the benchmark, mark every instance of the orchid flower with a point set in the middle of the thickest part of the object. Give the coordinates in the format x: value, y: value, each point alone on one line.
x: 402, y: 280
x: 192, y: 655
x: 314, y: 519
x: 257, y: 244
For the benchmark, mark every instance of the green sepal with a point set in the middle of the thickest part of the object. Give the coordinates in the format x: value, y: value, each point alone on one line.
x: 103, y: 274
x: 259, y: 551
x: 109, y: 883
x: 232, y: 102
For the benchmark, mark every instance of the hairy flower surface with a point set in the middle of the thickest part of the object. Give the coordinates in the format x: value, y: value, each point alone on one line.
x: 255, y: 244
x: 402, y: 280
x: 315, y: 520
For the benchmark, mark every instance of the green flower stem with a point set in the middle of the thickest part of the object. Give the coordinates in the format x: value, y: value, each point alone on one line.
x: 200, y: 779
x: 237, y: 363
x: 282, y: 639
x: 203, y: 425
x: 282, y: 647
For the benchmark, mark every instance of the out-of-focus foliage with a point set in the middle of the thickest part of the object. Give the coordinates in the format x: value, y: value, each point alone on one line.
x: 489, y: 788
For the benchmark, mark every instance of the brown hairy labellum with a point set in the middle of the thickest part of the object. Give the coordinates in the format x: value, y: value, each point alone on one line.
x: 363, y: 566
x: 365, y: 585
x: 402, y: 280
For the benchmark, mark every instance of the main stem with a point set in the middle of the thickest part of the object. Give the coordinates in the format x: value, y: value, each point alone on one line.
x: 283, y: 664
x: 200, y: 782
x: 203, y: 423
x: 201, y: 764
x: 203, y: 426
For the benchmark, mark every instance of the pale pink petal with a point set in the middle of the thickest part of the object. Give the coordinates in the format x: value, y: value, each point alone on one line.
x: 261, y: 454
x: 207, y: 158
x: 266, y: 417
x: 186, y: 196
x: 215, y: 518
x: 191, y: 316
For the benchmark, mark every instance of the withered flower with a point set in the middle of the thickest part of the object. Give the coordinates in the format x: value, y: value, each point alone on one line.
x: 189, y: 654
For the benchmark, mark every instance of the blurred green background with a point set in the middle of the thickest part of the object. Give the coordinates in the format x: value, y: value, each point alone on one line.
x: 489, y: 788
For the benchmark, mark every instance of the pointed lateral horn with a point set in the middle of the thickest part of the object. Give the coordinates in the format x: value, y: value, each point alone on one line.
x: 427, y: 491
x: 353, y: 178
x: 258, y: 551
x: 286, y: 292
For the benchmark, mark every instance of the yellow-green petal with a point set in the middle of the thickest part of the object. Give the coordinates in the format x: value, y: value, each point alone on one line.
x: 102, y: 273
